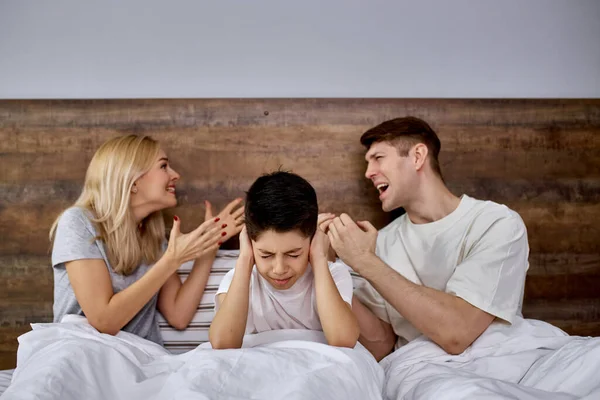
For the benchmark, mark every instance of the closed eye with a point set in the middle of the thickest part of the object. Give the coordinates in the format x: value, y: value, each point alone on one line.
x: 271, y: 255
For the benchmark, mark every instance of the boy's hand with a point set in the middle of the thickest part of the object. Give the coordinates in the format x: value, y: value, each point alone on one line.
x: 246, y: 251
x: 319, y: 246
x: 323, y: 221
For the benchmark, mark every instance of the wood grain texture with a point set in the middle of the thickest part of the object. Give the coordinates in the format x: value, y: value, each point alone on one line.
x: 539, y: 157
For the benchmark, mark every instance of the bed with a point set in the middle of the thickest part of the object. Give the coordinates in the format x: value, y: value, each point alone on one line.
x: 540, y: 157
x: 528, y: 360
x: 5, y: 377
x: 71, y: 360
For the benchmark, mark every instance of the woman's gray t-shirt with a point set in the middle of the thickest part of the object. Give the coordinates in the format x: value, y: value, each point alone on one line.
x: 74, y: 240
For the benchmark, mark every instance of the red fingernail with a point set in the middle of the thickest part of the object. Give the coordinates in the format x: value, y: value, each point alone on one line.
x: 223, y: 233
x: 220, y: 243
x: 224, y: 226
x: 217, y: 219
x: 176, y: 218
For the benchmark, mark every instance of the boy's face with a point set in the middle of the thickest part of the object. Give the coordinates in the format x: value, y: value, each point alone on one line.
x: 281, y: 258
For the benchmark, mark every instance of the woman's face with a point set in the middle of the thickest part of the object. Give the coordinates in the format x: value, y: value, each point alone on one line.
x: 155, y: 190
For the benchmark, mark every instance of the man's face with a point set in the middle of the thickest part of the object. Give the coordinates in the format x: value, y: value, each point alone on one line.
x: 392, y: 175
x: 281, y: 257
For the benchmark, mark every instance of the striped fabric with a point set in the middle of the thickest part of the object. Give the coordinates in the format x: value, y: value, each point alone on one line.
x: 197, y: 331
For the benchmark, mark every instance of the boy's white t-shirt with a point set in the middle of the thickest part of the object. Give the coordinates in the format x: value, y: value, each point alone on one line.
x: 293, y: 308
x: 479, y: 252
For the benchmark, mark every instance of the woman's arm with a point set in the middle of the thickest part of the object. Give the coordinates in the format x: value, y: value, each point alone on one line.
x: 109, y: 312
x: 178, y: 302
x: 106, y: 311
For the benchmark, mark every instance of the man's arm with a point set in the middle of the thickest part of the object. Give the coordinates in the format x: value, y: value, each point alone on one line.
x: 376, y: 335
x: 448, y: 320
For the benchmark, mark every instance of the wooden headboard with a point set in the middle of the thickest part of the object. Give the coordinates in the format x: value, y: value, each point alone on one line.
x: 540, y: 157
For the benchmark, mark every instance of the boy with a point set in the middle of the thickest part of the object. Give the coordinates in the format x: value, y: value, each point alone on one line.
x: 282, y: 279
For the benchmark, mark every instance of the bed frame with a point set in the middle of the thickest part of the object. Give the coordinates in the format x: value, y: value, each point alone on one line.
x: 539, y: 157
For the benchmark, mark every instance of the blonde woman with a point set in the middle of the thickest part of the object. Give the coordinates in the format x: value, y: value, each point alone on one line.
x: 110, y: 257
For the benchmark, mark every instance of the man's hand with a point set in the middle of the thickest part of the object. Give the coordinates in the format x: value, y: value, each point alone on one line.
x: 353, y: 241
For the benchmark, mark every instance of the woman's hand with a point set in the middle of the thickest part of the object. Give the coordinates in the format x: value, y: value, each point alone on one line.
x: 231, y: 218
x: 185, y: 247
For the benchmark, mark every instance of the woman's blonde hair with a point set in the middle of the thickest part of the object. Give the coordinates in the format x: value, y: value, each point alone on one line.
x: 109, y: 179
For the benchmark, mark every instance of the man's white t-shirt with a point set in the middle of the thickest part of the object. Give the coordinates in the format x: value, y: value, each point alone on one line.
x: 293, y: 308
x: 479, y: 252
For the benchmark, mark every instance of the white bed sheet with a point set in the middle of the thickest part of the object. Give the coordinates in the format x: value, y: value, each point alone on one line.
x: 5, y: 377
x: 73, y: 361
x: 528, y: 360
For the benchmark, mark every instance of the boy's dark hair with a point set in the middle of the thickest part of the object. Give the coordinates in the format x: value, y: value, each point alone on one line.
x: 283, y: 202
x: 404, y: 133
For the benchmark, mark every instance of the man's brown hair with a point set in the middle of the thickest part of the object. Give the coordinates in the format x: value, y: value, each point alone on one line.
x: 404, y: 133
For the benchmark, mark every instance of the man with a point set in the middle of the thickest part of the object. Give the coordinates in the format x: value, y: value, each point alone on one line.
x: 447, y: 268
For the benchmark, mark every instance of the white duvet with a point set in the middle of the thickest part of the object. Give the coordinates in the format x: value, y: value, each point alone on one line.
x: 72, y: 361
x: 528, y: 360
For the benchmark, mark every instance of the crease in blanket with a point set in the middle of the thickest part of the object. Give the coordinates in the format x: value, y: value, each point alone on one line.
x: 72, y: 360
x: 528, y: 360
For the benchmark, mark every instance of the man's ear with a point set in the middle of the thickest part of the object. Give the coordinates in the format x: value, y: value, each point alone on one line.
x: 420, y: 152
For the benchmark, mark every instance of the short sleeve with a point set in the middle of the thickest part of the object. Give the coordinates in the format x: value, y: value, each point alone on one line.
x: 224, y: 286
x: 343, y: 280
x: 75, y: 238
x: 492, y: 275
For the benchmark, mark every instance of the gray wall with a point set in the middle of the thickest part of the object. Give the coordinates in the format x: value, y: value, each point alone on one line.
x: 310, y: 48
